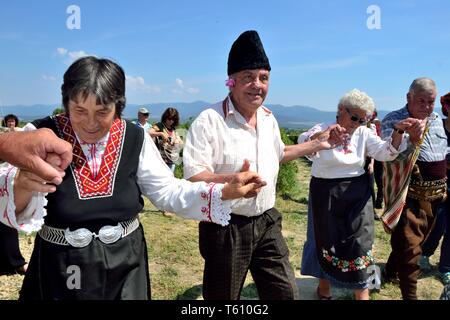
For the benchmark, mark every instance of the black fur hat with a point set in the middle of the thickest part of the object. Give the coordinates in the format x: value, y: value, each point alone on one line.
x: 247, y: 53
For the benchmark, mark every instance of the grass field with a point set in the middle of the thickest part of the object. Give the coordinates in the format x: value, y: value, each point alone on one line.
x: 176, y: 265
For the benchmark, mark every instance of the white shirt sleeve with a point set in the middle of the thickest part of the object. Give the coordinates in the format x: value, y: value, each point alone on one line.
x: 198, y: 150
x: 382, y: 150
x: 32, y: 217
x: 278, y: 141
x: 198, y: 201
x: 306, y: 136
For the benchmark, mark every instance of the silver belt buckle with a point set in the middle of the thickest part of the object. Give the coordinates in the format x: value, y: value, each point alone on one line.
x: 110, y: 234
x: 82, y: 237
x: 78, y: 238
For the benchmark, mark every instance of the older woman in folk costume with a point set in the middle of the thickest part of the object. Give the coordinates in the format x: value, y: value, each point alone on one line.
x: 338, y: 249
x: 91, y: 229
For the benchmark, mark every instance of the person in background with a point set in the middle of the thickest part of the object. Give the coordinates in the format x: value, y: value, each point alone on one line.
x: 142, y: 120
x: 378, y: 167
x: 166, y: 138
x: 442, y: 225
x: 167, y: 141
x: 369, y: 166
x: 11, y: 259
x: 11, y: 122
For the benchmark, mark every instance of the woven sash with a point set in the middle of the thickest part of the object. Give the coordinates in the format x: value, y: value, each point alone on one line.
x: 396, y: 178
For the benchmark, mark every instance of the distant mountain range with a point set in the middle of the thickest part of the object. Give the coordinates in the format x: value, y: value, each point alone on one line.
x: 293, y: 117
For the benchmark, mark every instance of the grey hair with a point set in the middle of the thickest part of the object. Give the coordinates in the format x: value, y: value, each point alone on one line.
x: 356, y: 99
x: 422, y: 84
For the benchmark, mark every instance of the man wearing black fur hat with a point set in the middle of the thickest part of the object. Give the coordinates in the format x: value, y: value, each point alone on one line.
x: 238, y: 134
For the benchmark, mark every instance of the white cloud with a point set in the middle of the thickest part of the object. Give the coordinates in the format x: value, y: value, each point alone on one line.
x: 71, y: 56
x: 138, y: 84
x: 181, y: 88
x: 179, y: 83
x: 61, y: 51
x: 48, y: 78
x: 74, y: 55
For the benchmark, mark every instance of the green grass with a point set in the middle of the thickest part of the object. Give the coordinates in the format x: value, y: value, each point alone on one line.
x: 176, y: 266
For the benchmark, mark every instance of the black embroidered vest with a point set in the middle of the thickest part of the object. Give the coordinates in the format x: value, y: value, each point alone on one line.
x: 82, y: 200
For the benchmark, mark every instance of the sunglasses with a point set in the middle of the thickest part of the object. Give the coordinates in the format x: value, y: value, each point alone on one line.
x: 354, y: 118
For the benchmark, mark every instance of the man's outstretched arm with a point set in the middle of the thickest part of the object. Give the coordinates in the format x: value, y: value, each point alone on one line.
x: 29, y: 150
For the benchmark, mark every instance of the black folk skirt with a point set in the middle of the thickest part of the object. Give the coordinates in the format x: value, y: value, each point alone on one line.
x: 343, y: 227
x: 10, y: 256
x: 116, y: 271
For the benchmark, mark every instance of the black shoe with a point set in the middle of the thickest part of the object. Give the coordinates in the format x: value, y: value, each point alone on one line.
x: 388, y: 278
x: 22, y: 269
x: 379, y: 204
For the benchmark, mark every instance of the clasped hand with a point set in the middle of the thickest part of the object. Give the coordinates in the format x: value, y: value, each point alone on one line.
x: 245, y: 184
x: 414, y: 127
x: 332, y: 137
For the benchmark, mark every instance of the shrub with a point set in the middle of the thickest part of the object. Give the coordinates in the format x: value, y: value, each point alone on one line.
x: 287, y: 183
x: 179, y: 171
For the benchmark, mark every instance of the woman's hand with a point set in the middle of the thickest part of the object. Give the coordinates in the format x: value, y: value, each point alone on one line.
x: 26, y: 182
x: 164, y: 136
x: 332, y: 137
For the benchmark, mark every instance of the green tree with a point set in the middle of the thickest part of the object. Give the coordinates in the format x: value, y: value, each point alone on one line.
x: 58, y: 111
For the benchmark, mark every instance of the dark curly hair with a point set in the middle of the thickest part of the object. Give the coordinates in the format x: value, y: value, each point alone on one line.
x: 8, y: 117
x: 171, y: 113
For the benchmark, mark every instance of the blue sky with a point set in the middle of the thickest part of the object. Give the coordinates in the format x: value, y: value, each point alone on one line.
x: 176, y: 51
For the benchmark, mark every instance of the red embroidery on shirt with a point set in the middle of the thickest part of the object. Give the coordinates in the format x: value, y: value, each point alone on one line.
x: 4, y: 192
x: 89, y: 185
x: 207, y: 196
x: 266, y: 110
x: 92, y: 157
x: 211, y: 187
